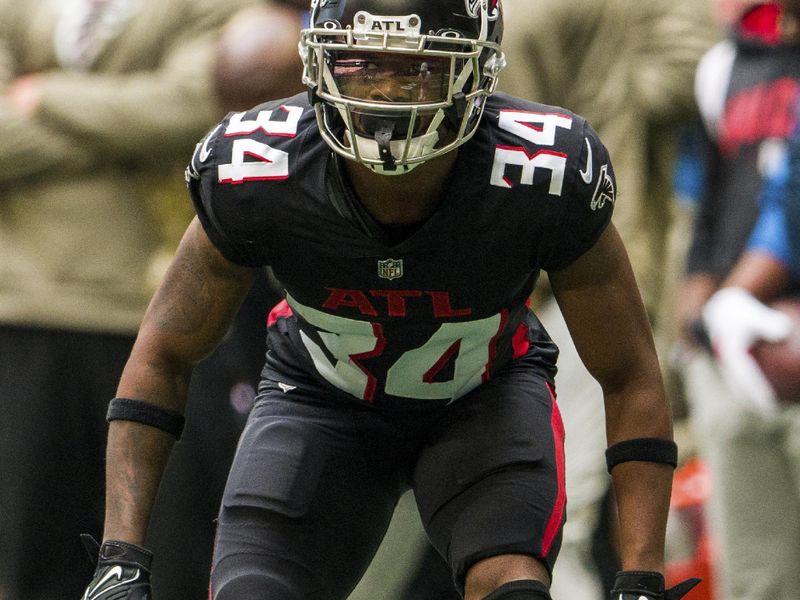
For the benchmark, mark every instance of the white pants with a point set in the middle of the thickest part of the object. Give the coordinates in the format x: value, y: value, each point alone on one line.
x: 754, y: 511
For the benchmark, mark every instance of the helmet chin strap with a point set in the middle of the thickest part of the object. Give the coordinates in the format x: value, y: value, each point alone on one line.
x: 381, y: 146
x: 372, y: 148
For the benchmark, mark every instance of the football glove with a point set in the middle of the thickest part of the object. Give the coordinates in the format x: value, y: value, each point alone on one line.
x: 735, y: 320
x: 648, y: 585
x: 122, y: 573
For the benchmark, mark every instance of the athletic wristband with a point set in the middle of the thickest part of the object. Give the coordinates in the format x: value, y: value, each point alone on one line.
x: 645, y: 449
x: 648, y: 585
x: 126, y: 409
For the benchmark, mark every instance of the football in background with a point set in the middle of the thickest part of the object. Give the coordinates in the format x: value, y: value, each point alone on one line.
x: 780, y: 361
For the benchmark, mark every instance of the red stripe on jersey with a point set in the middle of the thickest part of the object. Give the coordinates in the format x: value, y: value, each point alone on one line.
x: 281, y: 310
x: 557, y: 515
x: 520, y: 342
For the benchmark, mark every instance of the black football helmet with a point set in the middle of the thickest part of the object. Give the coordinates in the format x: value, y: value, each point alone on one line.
x: 395, y: 83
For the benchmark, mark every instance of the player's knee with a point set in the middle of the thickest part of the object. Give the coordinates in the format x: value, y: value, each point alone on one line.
x: 493, y: 573
x: 253, y: 587
x: 525, y: 589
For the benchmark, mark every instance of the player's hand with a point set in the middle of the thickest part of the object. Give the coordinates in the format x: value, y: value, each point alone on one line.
x: 122, y: 573
x: 734, y: 321
x: 648, y: 585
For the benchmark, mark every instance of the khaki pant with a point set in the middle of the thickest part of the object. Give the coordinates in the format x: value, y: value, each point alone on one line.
x: 754, y: 512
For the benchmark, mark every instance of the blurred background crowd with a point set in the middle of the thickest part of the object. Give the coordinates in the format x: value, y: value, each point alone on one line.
x: 698, y: 101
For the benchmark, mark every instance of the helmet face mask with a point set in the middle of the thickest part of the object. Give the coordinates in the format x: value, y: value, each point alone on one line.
x: 393, y: 91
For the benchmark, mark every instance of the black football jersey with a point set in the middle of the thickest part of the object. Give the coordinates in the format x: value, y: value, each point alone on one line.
x: 423, y: 319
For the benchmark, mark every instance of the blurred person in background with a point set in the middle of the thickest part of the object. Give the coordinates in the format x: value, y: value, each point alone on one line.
x: 257, y: 55
x: 770, y: 266
x: 747, y: 89
x: 736, y: 318
x: 628, y: 66
x: 98, y: 100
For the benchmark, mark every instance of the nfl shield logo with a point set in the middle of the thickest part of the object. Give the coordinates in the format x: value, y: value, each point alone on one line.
x: 391, y: 268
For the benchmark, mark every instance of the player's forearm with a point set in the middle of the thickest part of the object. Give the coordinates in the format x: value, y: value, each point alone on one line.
x: 136, y: 453
x: 642, y: 488
x: 642, y: 491
x: 135, y: 458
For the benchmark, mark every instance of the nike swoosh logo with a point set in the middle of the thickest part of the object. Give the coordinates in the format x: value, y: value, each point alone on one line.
x: 205, y: 151
x: 113, y: 572
x: 286, y: 387
x: 585, y: 175
x: 116, y: 572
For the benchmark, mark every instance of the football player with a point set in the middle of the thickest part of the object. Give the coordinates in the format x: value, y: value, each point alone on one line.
x: 407, y: 210
x: 736, y: 316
